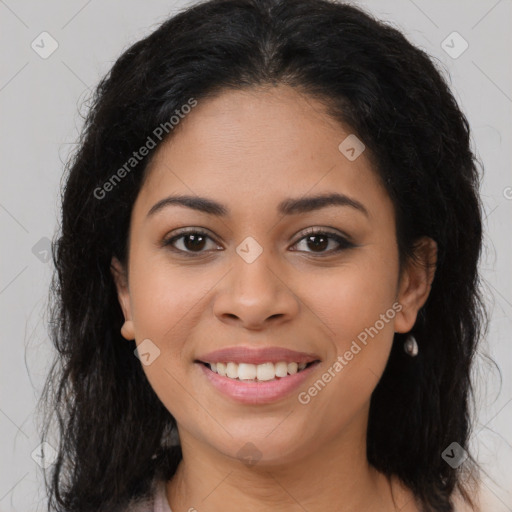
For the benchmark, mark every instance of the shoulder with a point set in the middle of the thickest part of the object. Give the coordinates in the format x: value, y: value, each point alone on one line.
x: 406, y: 501
x: 141, y: 505
x: 161, y: 504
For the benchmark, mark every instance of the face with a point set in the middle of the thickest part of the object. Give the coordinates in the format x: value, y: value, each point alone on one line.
x: 266, y: 267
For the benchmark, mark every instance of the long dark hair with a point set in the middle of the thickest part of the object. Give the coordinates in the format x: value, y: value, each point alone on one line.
x: 111, y: 424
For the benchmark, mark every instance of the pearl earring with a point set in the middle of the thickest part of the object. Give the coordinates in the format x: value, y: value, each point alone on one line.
x: 411, y: 346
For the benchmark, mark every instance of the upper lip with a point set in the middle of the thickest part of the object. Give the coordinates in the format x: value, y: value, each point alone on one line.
x: 261, y: 355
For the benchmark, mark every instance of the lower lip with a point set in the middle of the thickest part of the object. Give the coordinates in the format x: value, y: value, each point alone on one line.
x: 257, y: 392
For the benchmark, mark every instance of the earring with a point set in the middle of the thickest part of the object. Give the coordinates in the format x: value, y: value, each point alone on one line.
x: 411, y: 346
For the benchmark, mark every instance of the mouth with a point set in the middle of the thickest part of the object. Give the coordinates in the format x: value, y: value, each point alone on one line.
x: 256, y: 375
x: 268, y: 382
x: 265, y: 372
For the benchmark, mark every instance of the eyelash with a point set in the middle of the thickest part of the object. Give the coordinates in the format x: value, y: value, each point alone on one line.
x: 343, y: 242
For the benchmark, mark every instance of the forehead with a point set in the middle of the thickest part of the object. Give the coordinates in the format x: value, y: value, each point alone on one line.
x: 258, y: 145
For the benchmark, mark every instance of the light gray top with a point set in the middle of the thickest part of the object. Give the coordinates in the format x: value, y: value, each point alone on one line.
x: 157, y: 503
x: 160, y: 503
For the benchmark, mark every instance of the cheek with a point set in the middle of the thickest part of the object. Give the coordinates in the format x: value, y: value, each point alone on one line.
x: 358, y: 303
x: 353, y: 297
x: 166, y: 305
x: 360, y: 345
x: 166, y: 297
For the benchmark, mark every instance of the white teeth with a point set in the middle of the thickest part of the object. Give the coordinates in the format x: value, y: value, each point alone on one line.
x: 246, y: 371
x: 232, y: 370
x: 292, y: 368
x: 266, y: 371
x: 281, y: 369
x: 261, y: 372
x: 221, y: 369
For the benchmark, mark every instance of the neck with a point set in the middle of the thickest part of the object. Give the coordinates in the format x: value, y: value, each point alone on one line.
x: 335, y: 472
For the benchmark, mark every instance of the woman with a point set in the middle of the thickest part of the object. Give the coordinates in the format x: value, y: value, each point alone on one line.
x: 267, y: 293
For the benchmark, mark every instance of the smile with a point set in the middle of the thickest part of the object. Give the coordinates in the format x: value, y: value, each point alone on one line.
x: 257, y: 372
x: 256, y: 391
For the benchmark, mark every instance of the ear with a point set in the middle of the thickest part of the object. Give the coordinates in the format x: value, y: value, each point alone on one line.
x: 120, y: 276
x: 415, y: 283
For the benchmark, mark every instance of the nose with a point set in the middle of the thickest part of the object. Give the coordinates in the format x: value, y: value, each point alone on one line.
x: 255, y: 295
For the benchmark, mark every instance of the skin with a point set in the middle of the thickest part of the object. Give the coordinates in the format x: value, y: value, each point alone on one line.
x: 249, y: 150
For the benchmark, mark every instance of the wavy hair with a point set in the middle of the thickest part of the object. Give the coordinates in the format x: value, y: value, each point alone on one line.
x: 112, y: 428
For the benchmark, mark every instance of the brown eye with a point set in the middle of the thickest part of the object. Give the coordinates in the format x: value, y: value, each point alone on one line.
x: 190, y: 242
x: 318, y: 241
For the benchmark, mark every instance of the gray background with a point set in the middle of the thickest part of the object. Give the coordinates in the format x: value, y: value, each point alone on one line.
x: 41, y: 100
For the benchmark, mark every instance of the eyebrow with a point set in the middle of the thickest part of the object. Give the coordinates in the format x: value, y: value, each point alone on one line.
x: 289, y: 206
